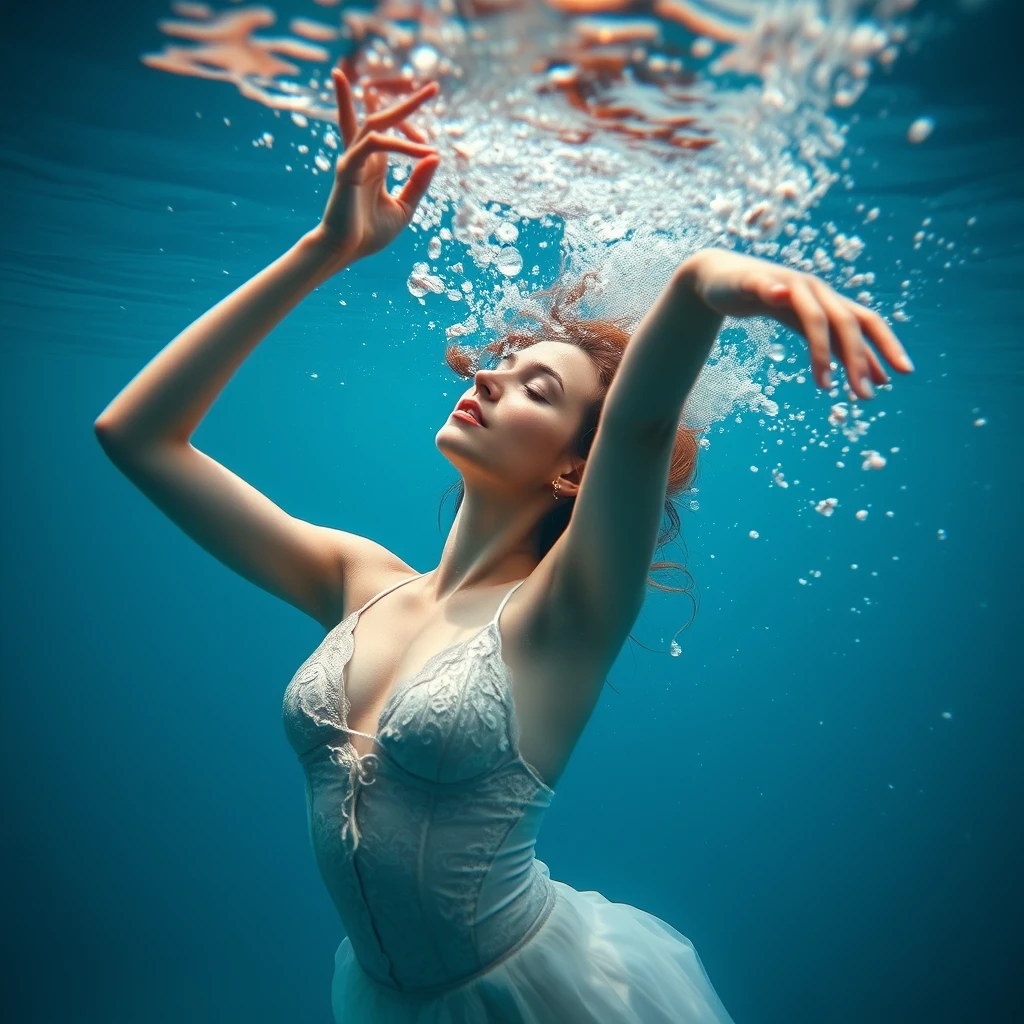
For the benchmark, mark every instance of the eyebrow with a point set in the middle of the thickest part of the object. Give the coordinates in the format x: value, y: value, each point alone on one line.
x: 540, y: 367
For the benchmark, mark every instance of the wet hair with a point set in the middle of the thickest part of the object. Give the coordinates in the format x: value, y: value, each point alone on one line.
x: 604, y: 341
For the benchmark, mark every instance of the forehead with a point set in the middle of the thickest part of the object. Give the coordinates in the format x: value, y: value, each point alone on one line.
x: 573, y: 365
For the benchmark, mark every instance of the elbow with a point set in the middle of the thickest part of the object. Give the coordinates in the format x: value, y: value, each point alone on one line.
x: 103, y: 430
x: 106, y: 433
x: 124, y: 447
x: 110, y: 442
x: 113, y: 440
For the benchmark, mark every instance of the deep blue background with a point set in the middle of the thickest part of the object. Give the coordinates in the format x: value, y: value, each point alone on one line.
x: 786, y: 792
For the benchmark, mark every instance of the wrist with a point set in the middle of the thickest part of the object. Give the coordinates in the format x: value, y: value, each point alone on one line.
x: 687, y: 276
x: 690, y: 282
x: 327, y: 255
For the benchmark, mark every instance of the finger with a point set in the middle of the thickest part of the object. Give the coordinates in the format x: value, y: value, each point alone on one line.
x: 378, y: 121
x: 814, y: 327
x: 418, y: 183
x: 347, y: 120
x: 411, y: 132
x: 377, y: 142
x: 371, y: 100
x: 875, y: 369
x: 849, y: 342
x: 391, y: 83
x: 881, y: 334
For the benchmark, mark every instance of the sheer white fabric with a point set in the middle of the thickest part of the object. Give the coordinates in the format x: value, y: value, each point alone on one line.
x: 426, y: 846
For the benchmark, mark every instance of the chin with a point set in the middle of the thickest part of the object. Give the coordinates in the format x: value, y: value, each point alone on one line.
x: 450, y: 442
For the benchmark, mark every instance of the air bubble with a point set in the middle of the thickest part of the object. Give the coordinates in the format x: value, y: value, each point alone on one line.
x: 422, y: 281
x: 509, y: 261
x: 920, y: 129
x: 507, y: 233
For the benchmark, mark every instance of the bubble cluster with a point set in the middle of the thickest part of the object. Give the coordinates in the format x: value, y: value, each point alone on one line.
x: 602, y: 136
x: 688, y: 125
x: 872, y: 460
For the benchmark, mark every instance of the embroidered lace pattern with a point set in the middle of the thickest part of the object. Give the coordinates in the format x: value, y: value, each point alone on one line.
x: 444, y: 812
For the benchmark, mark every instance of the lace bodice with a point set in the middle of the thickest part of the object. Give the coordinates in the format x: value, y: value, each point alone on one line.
x: 426, y: 844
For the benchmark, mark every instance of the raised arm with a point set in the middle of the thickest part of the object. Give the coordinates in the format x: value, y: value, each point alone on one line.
x: 146, y: 429
x: 605, y: 553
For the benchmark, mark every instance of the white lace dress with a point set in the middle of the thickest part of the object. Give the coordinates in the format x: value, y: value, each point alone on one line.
x: 426, y: 846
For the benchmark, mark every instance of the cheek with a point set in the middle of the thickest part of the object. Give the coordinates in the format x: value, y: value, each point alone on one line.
x: 537, y: 435
x: 535, y: 422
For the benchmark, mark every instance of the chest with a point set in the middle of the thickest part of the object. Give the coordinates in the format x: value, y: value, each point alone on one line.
x: 395, y: 649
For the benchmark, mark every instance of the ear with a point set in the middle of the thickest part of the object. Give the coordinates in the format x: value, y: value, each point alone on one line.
x: 570, y: 483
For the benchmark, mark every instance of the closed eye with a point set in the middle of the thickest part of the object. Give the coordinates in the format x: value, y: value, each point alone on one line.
x: 534, y: 393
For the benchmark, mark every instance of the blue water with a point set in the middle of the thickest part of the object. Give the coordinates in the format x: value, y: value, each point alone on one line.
x: 823, y: 790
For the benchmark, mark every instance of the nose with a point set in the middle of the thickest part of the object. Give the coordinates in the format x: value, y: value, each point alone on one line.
x: 485, y: 381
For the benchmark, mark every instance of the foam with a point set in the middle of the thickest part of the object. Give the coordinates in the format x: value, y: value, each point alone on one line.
x: 621, y: 143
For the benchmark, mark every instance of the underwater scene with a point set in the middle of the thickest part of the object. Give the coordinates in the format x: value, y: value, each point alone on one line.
x: 801, y: 756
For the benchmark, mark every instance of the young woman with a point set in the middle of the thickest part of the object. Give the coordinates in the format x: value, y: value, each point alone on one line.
x: 435, y: 719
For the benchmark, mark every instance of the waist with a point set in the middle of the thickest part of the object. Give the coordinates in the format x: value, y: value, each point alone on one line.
x: 464, y: 978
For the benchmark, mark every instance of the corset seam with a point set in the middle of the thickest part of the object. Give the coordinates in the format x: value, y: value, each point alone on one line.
x: 512, y: 826
x: 420, y: 887
x: 420, y: 781
x: 308, y: 756
x: 365, y: 906
x: 551, y: 898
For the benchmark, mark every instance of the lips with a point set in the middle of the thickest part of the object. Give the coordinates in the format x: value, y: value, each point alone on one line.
x: 471, y: 407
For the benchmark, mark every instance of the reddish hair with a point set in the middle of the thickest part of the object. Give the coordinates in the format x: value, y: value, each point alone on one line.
x: 604, y: 342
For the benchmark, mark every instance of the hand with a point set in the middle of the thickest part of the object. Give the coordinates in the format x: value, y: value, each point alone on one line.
x: 361, y: 217
x: 735, y: 285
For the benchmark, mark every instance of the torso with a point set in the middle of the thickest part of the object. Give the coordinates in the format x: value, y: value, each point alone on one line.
x: 554, y: 688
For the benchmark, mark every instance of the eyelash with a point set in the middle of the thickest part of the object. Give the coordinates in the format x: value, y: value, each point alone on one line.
x: 533, y: 393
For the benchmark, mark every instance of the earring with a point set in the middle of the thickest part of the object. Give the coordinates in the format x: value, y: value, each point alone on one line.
x: 556, y: 487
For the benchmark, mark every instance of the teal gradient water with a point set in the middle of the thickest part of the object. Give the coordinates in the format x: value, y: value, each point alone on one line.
x: 822, y: 790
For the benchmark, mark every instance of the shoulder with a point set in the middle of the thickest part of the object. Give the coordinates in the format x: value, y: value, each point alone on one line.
x: 361, y: 568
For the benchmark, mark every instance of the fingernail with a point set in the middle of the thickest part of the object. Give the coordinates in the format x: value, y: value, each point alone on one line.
x: 909, y: 364
x: 826, y: 380
x: 868, y: 389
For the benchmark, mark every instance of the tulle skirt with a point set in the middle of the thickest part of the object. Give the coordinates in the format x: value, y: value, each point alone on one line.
x: 591, y: 961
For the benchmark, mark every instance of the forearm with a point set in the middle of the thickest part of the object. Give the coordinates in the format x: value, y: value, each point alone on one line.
x: 168, y: 398
x: 665, y: 355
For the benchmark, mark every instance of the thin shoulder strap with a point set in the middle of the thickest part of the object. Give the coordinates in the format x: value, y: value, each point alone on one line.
x: 388, y: 590
x: 504, y: 601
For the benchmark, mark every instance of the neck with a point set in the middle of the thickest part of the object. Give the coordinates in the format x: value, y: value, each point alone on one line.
x: 492, y: 541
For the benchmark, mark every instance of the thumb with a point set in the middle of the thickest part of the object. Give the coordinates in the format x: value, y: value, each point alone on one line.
x: 418, y: 183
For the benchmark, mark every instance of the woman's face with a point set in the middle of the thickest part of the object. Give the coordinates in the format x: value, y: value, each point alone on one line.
x: 532, y: 404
